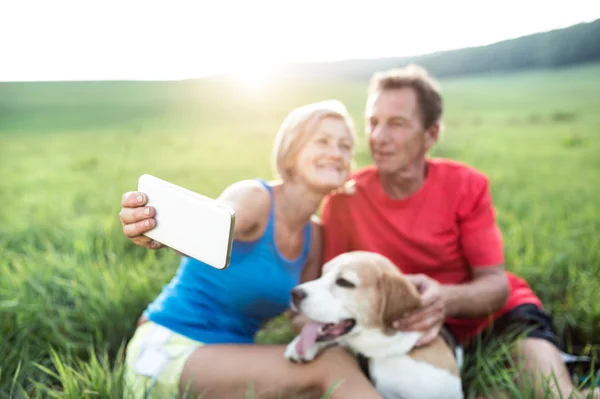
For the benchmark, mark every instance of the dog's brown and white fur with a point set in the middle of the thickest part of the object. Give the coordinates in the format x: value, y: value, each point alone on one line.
x: 354, y: 304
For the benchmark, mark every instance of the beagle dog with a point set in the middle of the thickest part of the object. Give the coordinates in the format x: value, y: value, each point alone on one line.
x: 354, y: 304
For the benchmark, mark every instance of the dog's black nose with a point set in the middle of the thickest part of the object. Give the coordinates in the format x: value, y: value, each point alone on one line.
x: 298, y: 295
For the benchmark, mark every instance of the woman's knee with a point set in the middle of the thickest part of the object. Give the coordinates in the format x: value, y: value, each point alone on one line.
x: 336, y: 364
x: 339, y: 356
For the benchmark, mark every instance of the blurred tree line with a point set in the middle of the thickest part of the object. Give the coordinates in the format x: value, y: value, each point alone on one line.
x: 573, y: 45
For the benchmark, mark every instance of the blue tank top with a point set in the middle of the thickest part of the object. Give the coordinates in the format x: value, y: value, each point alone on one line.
x: 229, y: 306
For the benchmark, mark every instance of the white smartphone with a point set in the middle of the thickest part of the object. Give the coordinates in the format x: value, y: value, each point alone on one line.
x: 195, y: 225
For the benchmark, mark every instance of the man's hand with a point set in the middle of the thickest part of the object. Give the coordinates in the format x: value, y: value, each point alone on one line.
x: 430, y: 317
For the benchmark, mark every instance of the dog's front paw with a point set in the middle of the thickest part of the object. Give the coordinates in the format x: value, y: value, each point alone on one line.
x: 293, y: 355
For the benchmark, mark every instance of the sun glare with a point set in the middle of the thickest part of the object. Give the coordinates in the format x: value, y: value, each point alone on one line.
x: 255, y: 75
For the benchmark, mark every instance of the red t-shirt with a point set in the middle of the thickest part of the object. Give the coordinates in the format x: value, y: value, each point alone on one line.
x: 442, y: 230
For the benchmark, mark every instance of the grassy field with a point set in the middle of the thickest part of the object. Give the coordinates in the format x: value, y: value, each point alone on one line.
x: 72, y: 286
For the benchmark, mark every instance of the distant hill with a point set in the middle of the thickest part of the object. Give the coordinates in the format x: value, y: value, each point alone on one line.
x: 576, y: 44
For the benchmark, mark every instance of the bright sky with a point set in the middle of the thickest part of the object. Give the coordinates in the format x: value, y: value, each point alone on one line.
x: 174, y: 39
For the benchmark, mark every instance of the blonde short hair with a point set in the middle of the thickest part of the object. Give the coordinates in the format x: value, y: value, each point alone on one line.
x: 297, y: 129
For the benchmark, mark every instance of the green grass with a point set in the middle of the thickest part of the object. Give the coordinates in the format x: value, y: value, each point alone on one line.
x: 72, y: 286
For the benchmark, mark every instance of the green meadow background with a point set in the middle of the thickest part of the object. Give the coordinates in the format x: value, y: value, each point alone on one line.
x: 72, y: 286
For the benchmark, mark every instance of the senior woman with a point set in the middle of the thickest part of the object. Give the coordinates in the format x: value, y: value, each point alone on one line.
x: 197, y: 334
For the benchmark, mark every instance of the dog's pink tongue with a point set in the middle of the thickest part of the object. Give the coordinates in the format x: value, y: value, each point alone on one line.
x: 308, y: 336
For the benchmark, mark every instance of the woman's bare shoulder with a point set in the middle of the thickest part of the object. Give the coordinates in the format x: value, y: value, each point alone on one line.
x: 250, y: 200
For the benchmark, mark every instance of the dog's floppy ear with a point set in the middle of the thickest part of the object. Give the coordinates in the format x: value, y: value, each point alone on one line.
x: 398, y: 296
